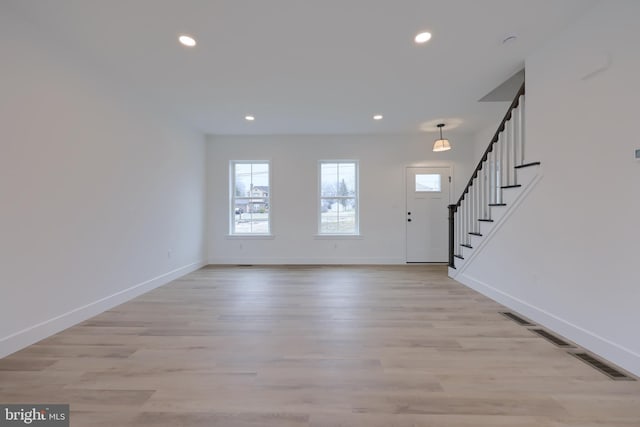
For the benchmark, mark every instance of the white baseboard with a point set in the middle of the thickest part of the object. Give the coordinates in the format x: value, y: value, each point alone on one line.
x: 622, y: 356
x: 319, y: 261
x: 21, y: 339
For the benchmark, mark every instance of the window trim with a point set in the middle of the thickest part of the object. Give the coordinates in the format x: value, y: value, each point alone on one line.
x: 232, y: 233
x: 356, y: 233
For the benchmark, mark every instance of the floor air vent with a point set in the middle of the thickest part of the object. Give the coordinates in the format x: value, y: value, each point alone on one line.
x: 603, y: 367
x: 550, y: 337
x: 516, y: 318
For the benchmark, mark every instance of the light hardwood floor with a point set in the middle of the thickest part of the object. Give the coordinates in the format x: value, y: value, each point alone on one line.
x: 314, y: 346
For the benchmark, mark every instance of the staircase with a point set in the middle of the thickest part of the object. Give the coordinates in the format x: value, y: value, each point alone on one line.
x: 497, y: 186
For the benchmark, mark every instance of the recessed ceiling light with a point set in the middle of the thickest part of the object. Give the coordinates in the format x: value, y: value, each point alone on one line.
x: 249, y: 118
x: 377, y: 117
x: 422, y: 37
x: 187, y: 40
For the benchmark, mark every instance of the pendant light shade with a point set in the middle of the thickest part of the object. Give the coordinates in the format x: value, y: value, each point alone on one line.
x: 441, y: 144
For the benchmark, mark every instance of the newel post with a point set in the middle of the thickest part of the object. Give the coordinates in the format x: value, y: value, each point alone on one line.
x: 452, y: 212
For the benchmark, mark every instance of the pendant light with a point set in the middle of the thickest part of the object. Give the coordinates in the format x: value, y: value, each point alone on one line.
x: 441, y: 144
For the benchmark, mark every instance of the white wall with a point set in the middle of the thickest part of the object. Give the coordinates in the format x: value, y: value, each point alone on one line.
x: 482, y: 138
x: 96, y: 188
x: 568, y: 256
x: 294, y: 162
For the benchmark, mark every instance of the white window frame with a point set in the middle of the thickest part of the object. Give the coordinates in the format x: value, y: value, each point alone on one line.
x: 356, y: 232
x: 232, y: 199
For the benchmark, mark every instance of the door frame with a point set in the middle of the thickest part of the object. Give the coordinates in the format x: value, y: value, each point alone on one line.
x: 452, y: 187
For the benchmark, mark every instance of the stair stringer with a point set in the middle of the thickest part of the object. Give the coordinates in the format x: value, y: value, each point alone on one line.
x: 521, y: 195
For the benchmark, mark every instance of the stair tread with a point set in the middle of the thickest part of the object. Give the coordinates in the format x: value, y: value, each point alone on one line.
x: 466, y: 246
x: 526, y: 165
x: 511, y: 186
x: 497, y: 204
x: 458, y: 256
x: 473, y: 233
x: 485, y: 220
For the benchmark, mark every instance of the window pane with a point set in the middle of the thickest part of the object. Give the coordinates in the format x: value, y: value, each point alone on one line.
x: 258, y: 206
x: 347, y: 216
x: 329, y: 216
x: 251, y: 216
x: 241, y: 218
x: 428, y: 182
x: 260, y: 175
x: 259, y: 215
x: 240, y: 207
x: 243, y: 225
x: 346, y: 179
x: 328, y: 179
x: 242, y: 176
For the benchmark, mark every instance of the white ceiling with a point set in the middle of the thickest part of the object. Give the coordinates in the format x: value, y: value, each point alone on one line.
x: 309, y: 67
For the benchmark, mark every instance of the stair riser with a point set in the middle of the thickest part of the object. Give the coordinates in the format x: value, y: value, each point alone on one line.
x: 526, y: 175
x: 459, y: 262
x: 466, y: 253
x: 475, y: 240
x: 485, y: 227
x: 509, y: 195
x: 497, y: 212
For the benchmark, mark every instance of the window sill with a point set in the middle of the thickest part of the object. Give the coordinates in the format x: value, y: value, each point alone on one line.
x: 250, y: 237
x: 338, y: 236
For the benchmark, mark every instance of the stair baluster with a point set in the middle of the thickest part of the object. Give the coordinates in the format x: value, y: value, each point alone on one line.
x: 500, y: 175
x: 468, y: 201
x: 508, y: 140
x: 492, y: 176
x: 521, y: 128
x: 474, y: 205
x: 487, y: 184
x: 515, y: 118
x: 485, y: 189
x: 476, y: 224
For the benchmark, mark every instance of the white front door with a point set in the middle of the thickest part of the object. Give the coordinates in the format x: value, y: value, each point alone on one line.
x: 426, y: 217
